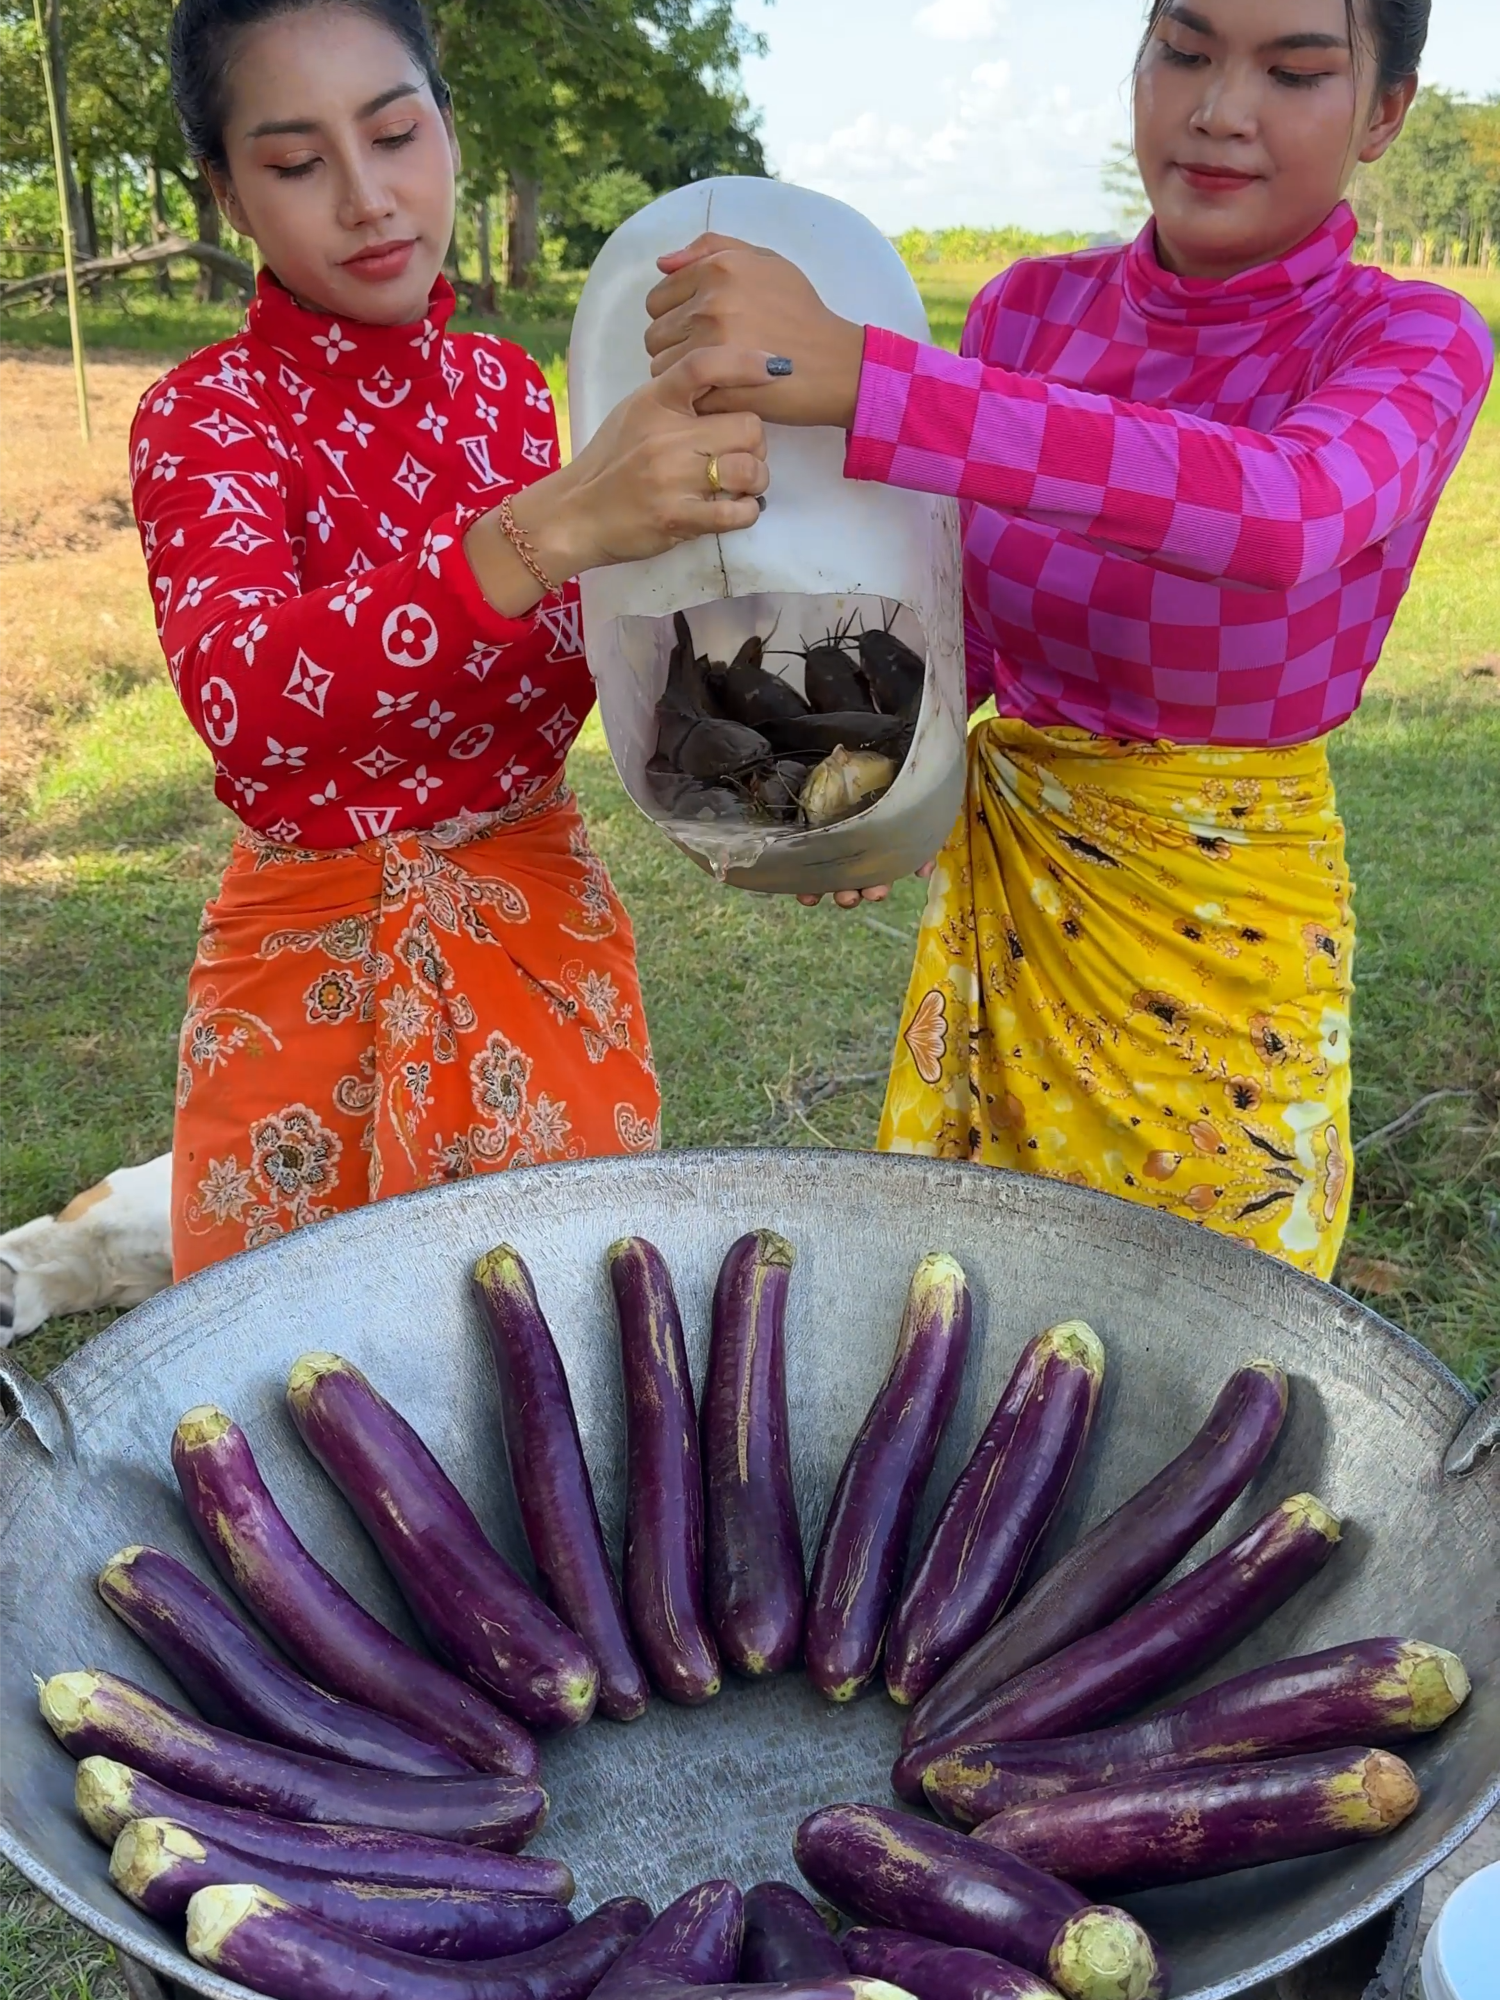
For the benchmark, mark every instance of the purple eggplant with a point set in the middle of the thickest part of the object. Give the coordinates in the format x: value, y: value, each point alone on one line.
x: 286, y: 1953
x: 159, y: 1865
x: 551, y: 1480
x: 891, y: 1868
x: 1176, y: 1829
x: 999, y: 1508
x: 1374, y: 1691
x: 694, y: 1942
x: 313, y: 1617
x: 96, y: 1714
x: 110, y: 1795
x: 229, y: 1675
x: 859, y: 1562
x: 837, y: 1986
x: 689, y: 1953
x: 757, y: 1584
x: 930, y: 1971
x: 473, y: 1607
x: 664, y: 1480
x: 785, y: 1938
x: 1152, y: 1646
x: 1118, y: 1561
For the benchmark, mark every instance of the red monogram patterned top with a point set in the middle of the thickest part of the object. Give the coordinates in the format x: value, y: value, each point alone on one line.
x: 1190, y: 508
x: 302, y: 491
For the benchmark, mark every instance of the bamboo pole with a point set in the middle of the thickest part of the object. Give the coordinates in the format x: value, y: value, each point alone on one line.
x: 80, y: 378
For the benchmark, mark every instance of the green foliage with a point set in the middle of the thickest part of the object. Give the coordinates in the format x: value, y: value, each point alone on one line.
x: 991, y: 248
x: 1436, y: 194
x: 23, y: 129
x: 603, y: 102
x: 590, y: 210
x: 606, y: 200
x: 569, y: 92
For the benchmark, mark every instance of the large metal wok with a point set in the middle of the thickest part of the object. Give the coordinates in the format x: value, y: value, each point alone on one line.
x: 683, y: 1794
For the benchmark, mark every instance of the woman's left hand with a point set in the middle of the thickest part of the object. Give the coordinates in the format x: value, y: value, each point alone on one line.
x: 720, y: 292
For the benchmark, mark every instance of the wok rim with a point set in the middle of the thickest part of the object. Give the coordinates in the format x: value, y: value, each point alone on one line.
x: 94, y: 1358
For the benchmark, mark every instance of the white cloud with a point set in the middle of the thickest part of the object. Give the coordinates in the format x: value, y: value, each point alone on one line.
x: 959, y: 20
x: 989, y: 149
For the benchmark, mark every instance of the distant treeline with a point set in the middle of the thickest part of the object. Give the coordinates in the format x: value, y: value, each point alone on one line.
x: 994, y: 248
x: 1433, y: 200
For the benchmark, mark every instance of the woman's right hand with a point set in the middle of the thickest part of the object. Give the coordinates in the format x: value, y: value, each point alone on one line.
x: 643, y: 481
x: 641, y: 484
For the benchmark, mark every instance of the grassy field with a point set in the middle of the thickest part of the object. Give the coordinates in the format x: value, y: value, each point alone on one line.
x: 112, y: 840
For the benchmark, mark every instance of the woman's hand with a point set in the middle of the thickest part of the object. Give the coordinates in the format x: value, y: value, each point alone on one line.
x: 641, y: 485
x: 721, y: 292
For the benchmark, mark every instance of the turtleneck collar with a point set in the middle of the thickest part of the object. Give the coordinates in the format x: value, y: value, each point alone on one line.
x: 1299, y: 279
x: 317, y: 343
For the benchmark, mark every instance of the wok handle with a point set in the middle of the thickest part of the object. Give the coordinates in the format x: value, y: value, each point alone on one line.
x: 1480, y: 1433
x: 38, y: 1407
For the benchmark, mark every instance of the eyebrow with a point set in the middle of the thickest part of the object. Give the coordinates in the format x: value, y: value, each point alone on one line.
x: 275, y: 127
x: 1198, y: 24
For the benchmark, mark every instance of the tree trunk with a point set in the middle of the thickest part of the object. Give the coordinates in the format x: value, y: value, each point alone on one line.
x: 524, y: 232
x: 159, y: 228
x: 1379, y: 244
x: 210, y: 285
x: 116, y: 215
x: 57, y: 62
x: 88, y: 244
x: 88, y: 249
x: 486, y: 299
x: 234, y: 269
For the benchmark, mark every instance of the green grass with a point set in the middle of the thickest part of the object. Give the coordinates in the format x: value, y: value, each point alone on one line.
x: 45, y: 1955
x: 1420, y: 788
x: 773, y: 1024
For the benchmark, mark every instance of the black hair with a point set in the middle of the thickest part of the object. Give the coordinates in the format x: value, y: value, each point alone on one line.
x: 1396, y: 28
x: 204, y: 37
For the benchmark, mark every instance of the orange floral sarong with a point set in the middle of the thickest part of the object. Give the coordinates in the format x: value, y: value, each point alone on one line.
x: 370, y: 1020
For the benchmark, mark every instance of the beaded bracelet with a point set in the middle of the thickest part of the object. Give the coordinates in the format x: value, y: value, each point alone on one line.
x: 521, y: 542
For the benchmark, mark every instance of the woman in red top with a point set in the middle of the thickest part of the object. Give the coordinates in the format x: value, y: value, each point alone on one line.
x: 1194, y: 474
x: 360, y: 546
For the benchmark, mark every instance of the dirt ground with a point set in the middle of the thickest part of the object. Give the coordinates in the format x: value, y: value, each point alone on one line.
x: 62, y: 500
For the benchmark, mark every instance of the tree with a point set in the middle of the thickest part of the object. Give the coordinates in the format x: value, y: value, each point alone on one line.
x: 571, y: 107
x: 1480, y: 124
x: 1432, y: 188
x: 120, y: 102
x: 562, y: 93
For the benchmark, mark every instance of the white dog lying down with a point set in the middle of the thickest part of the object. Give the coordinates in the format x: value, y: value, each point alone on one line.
x: 111, y: 1246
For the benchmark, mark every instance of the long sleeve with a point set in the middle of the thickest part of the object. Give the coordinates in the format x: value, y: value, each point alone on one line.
x: 1266, y: 510
x: 302, y: 695
x: 979, y: 662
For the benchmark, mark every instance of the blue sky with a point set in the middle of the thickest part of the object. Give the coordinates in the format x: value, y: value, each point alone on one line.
x: 928, y: 112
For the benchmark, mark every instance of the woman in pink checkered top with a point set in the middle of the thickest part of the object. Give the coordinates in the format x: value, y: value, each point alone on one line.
x: 1194, y: 475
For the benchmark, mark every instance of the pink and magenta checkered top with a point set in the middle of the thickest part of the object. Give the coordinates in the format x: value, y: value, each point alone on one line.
x: 1190, y: 507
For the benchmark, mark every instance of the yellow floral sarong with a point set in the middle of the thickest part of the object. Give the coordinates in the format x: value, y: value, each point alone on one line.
x: 1134, y: 973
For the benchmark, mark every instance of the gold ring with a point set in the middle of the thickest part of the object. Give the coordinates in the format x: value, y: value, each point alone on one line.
x: 715, y: 483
